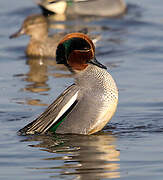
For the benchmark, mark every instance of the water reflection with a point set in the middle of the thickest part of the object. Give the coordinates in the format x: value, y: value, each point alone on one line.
x: 37, y: 76
x: 82, y: 157
x: 57, y: 21
x: 39, y: 70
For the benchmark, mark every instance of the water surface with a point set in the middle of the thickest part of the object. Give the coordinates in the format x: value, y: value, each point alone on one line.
x: 130, y: 146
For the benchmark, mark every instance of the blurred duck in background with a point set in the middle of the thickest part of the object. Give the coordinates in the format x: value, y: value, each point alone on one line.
x: 110, y: 8
x: 41, y: 44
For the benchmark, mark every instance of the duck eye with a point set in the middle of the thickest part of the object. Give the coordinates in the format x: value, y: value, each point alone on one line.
x: 86, y: 48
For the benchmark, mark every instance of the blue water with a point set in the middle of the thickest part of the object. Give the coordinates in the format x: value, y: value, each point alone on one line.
x: 130, y: 146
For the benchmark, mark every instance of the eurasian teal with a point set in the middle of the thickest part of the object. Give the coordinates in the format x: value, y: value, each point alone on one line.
x: 40, y: 44
x: 86, y: 106
x: 108, y: 8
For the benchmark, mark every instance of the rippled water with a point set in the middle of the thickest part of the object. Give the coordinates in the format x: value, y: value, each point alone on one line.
x: 130, y: 147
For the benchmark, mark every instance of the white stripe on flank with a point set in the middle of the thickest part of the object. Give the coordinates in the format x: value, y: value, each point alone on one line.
x: 64, y: 109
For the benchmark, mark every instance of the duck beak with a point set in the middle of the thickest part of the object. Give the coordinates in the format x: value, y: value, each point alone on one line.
x: 17, y: 34
x: 95, y: 62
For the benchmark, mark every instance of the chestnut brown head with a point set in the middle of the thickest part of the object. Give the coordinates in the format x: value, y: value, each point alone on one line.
x: 76, y: 51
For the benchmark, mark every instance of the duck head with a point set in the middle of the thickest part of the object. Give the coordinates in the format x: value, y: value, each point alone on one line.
x: 77, y: 51
x: 34, y: 25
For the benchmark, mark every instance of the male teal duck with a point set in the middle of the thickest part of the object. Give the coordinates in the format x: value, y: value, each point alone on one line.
x: 86, y: 106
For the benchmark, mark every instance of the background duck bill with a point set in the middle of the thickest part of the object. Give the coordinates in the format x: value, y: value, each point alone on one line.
x: 17, y: 34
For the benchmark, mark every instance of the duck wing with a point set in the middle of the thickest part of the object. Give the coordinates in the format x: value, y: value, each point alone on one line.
x: 54, y: 114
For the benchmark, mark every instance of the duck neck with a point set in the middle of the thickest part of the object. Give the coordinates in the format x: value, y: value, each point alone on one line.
x: 90, y: 76
x: 40, y: 35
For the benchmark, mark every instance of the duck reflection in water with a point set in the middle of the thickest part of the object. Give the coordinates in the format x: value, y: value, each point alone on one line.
x: 81, y: 157
x: 37, y: 77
